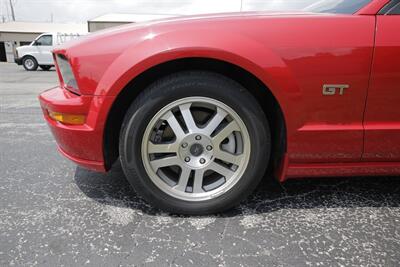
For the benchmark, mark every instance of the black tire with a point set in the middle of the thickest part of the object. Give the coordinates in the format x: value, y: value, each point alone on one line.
x: 45, y: 67
x: 30, y: 63
x: 186, y: 84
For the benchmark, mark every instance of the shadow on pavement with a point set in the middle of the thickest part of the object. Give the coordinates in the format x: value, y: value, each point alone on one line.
x: 112, y: 188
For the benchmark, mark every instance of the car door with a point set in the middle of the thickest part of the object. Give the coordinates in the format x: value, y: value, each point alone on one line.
x: 332, y: 69
x: 43, y: 46
x: 382, y: 116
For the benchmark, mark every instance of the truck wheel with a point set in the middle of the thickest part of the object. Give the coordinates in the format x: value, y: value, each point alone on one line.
x: 29, y: 63
x: 45, y: 67
x: 195, y: 143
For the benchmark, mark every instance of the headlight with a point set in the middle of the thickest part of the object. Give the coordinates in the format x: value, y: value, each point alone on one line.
x: 68, y: 78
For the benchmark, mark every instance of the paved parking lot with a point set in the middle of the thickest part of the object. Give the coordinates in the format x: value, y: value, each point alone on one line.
x: 54, y: 213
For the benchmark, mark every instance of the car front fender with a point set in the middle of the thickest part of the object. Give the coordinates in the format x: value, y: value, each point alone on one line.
x: 236, y: 49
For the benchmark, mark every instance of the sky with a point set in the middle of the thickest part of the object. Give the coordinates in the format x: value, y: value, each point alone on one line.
x: 79, y: 11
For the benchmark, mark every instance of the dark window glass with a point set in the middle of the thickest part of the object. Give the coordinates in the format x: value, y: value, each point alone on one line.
x: 395, y: 10
x: 24, y: 43
x: 337, y: 6
x: 45, y: 40
x: 314, y: 6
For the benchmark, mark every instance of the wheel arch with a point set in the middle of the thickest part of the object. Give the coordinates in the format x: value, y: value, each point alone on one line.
x: 257, y: 88
x: 29, y: 55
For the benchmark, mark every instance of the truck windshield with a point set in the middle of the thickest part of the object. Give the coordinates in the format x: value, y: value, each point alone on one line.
x: 315, y: 6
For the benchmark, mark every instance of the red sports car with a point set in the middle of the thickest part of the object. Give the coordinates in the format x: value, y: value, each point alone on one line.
x: 199, y: 109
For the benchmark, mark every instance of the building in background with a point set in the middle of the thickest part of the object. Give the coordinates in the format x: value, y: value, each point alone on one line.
x: 14, y: 34
x: 115, y: 19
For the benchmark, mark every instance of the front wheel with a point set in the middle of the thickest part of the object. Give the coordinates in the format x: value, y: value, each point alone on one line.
x: 30, y: 63
x: 195, y: 143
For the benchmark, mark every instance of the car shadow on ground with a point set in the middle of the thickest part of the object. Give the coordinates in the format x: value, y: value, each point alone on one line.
x: 112, y: 188
x: 50, y: 70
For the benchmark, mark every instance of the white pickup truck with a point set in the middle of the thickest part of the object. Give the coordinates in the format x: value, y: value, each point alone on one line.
x: 38, y: 53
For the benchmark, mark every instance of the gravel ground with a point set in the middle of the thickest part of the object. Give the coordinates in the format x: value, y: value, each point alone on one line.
x: 54, y: 213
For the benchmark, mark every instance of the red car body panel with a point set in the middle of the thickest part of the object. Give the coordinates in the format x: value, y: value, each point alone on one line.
x: 79, y: 143
x: 373, y: 7
x: 382, y: 114
x: 294, y: 55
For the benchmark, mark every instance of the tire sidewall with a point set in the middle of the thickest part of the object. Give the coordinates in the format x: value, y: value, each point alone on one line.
x: 181, y: 86
x: 35, y: 64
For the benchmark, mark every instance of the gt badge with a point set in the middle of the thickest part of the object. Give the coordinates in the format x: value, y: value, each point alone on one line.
x: 333, y: 89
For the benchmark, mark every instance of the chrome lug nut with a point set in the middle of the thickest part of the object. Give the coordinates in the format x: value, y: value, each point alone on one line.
x: 187, y: 159
x: 184, y: 145
x: 198, y: 137
x: 202, y: 161
x: 209, y: 148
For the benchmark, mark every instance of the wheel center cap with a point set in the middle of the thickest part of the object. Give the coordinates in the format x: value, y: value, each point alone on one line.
x: 196, y: 150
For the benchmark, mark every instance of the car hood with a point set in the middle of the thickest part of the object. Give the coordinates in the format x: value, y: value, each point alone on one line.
x: 92, y: 55
x: 23, y: 47
x: 175, y: 23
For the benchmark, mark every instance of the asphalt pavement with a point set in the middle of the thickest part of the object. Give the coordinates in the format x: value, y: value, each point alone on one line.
x: 54, y: 213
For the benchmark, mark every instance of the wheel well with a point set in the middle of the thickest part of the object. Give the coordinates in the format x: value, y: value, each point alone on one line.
x: 263, y: 95
x: 26, y: 56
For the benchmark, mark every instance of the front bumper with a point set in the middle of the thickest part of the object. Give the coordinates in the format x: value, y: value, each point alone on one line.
x: 82, y: 144
x: 18, y: 61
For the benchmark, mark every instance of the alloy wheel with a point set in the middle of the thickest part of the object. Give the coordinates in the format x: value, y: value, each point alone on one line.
x: 195, y: 148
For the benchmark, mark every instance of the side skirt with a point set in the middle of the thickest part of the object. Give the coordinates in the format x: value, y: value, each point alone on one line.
x: 308, y: 170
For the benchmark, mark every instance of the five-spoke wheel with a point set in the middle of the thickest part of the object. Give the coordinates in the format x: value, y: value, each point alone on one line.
x: 194, y: 142
x: 195, y: 148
